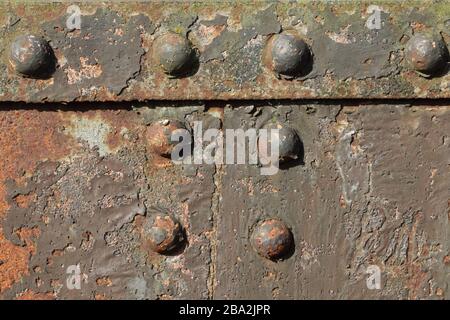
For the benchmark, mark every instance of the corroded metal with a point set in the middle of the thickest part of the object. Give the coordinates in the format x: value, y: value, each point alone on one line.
x: 110, y: 57
x: 32, y: 56
x: 288, y: 55
x: 174, y: 53
x: 348, y: 204
x: 428, y: 55
x: 159, y: 136
x: 286, y: 139
x: 77, y: 190
x: 77, y: 186
x: 79, y: 182
x: 163, y: 232
x: 272, y: 239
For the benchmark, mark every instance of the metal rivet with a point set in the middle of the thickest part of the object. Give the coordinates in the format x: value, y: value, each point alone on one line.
x: 272, y: 239
x: 287, y: 55
x: 426, y: 55
x: 162, y: 232
x: 290, y: 146
x: 32, y: 56
x: 174, y: 53
x: 159, y: 136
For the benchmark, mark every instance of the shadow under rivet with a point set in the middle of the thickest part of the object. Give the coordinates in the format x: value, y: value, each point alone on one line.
x: 31, y: 56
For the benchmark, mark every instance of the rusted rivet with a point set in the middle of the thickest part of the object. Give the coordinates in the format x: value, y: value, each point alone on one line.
x: 427, y: 55
x: 32, y: 56
x: 272, y: 239
x: 159, y: 136
x: 162, y: 232
x: 174, y: 54
x: 289, y: 144
x: 287, y: 55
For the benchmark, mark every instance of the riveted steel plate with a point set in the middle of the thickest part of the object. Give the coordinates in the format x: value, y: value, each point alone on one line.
x: 93, y: 207
x: 357, y: 49
x: 76, y: 188
x: 370, y: 188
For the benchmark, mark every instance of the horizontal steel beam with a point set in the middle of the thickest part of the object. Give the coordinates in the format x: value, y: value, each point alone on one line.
x: 61, y: 52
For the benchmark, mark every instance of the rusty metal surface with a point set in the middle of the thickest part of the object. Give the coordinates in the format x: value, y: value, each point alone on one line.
x: 371, y: 187
x: 87, y: 182
x: 112, y: 58
x: 77, y: 188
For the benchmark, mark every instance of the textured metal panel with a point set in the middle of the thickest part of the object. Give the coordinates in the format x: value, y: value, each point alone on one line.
x: 76, y: 188
x: 371, y: 189
x: 87, y: 183
x: 111, y: 58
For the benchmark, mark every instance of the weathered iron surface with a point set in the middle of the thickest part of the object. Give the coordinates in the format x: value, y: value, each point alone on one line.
x: 77, y: 186
x: 272, y: 239
x: 371, y: 189
x: 426, y: 54
x: 112, y: 56
x: 89, y: 185
x: 32, y: 56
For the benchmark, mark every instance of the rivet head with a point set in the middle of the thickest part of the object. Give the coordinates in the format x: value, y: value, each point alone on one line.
x: 426, y: 55
x: 289, y: 143
x: 159, y: 136
x: 287, y: 55
x: 32, y: 56
x: 162, y: 232
x: 272, y: 239
x: 174, y: 54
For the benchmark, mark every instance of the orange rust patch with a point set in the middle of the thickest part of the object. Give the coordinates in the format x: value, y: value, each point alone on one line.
x: 99, y: 296
x: 14, y: 262
x: 31, y: 295
x: 104, y: 282
x: 87, y: 71
x: 15, y: 258
x: 417, y: 26
x: 24, y: 200
x: 446, y: 260
x: 417, y: 281
x: 27, y: 137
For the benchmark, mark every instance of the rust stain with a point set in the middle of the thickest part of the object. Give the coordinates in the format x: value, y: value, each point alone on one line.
x: 28, y: 136
x: 15, y: 262
x: 31, y: 295
x: 87, y: 71
x: 447, y: 260
x: 104, y: 282
x: 99, y: 296
x: 24, y: 200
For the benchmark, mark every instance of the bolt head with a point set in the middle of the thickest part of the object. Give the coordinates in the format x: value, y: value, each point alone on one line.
x: 174, y: 54
x: 159, y: 136
x: 287, y: 55
x: 426, y: 54
x: 162, y: 232
x: 32, y: 56
x: 289, y: 143
x: 272, y: 239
